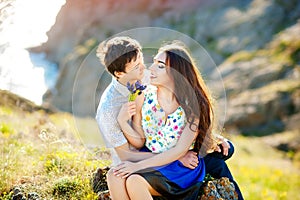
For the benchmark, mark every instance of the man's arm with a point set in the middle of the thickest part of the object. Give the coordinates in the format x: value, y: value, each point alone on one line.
x: 135, y: 138
x: 134, y: 133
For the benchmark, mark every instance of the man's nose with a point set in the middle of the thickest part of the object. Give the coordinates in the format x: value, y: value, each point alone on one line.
x: 151, y: 66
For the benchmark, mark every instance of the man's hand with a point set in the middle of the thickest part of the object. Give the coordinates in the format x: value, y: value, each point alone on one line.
x: 223, y: 145
x: 190, y: 160
x: 127, y: 111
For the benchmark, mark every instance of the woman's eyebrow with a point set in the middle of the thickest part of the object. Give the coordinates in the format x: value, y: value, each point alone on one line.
x: 159, y: 61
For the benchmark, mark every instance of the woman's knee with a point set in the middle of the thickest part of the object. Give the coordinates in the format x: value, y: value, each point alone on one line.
x: 110, y: 175
x: 113, y: 179
x: 138, y: 187
x: 134, y: 181
x: 116, y: 186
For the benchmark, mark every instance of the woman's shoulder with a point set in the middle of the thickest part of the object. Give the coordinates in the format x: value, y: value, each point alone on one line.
x: 150, y: 89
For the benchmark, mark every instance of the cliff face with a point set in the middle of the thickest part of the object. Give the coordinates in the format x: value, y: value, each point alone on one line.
x: 222, y: 27
x: 254, y: 43
x: 15, y: 102
x: 80, y: 20
x: 263, y: 86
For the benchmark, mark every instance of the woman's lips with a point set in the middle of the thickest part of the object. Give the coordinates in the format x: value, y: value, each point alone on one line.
x: 152, y: 76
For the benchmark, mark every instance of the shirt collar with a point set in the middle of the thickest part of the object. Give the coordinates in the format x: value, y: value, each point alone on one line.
x: 120, y: 88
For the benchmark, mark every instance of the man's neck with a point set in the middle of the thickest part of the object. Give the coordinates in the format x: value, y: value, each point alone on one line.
x: 124, y: 82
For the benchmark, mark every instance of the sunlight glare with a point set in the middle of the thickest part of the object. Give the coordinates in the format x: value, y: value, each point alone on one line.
x: 33, y: 18
x: 26, y: 27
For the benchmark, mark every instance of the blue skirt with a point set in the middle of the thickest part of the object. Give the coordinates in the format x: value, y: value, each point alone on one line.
x: 174, y: 180
x: 181, y: 175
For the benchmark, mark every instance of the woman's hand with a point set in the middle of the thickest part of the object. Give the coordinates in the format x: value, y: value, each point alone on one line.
x: 190, y: 160
x: 125, y: 169
x: 127, y: 111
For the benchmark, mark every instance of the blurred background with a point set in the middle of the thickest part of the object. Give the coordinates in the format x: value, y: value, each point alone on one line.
x: 255, y: 45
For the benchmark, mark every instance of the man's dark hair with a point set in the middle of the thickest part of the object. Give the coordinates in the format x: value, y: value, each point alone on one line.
x: 117, y: 52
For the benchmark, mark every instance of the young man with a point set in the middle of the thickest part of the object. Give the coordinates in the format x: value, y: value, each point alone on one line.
x: 123, y: 59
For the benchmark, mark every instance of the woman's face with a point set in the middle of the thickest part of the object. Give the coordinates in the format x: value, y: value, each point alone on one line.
x: 160, y: 70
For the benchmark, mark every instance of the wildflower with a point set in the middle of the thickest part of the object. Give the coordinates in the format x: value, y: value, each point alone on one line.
x: 135, y: 90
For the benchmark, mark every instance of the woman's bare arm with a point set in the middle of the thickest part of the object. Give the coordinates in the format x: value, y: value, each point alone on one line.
x: 181, y: 148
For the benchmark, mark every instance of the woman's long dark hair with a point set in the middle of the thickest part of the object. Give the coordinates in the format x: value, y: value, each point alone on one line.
x: 191, y: 93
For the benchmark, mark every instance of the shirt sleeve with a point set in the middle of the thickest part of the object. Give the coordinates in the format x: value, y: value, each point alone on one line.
x: 106, y: 118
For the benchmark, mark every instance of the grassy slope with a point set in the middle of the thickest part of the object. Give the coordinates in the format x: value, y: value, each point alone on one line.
x: 263, y: 172
x: 42, y: 153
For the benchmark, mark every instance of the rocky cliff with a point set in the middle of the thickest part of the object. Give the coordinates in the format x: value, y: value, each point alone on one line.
x: 254, y: 43
x: 10, y: 100
x: 263, y: 86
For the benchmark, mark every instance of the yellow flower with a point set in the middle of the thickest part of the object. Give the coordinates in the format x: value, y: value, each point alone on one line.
x: 147, y: 118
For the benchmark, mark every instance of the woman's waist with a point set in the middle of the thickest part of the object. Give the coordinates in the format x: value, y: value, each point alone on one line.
x: 161, y: 146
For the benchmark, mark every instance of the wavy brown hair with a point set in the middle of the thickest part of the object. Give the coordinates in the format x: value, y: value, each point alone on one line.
x: 191, y: 93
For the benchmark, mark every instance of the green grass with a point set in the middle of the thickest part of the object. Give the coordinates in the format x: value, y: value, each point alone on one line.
x: 262, y: 172
x: 47, y: 154
x: 41, y: 153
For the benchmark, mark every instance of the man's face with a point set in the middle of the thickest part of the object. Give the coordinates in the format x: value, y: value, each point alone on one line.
x: 134, y: 70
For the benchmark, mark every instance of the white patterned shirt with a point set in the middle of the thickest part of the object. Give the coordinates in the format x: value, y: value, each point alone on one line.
x: 114, y: 96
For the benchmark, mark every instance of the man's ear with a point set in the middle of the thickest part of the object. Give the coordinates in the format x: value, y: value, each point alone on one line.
x: 118, y: 74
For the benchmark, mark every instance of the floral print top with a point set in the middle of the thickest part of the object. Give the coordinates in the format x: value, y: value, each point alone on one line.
x: 162, y: 132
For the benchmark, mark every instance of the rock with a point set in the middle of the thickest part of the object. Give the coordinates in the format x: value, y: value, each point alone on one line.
x: 16, y: 190
x: 33, y: 196
x: 288, y: 141
x: 17, y: 194
x: 78, y: 21
x: 15, y: 101
x: 262, y: 111
x: 98, y: 181
x: 79, y: 82
x: 219, y: 189
x: 262, y: 87
x: 231, y: 25
x: 240, y: 35
x: 105, y: 195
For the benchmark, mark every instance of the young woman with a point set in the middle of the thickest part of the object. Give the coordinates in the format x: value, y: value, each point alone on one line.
x: 176, y: 114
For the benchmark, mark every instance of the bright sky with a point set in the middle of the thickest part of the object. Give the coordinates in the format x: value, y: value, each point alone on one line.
x: 25, y: 28
x: 33, y: 18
